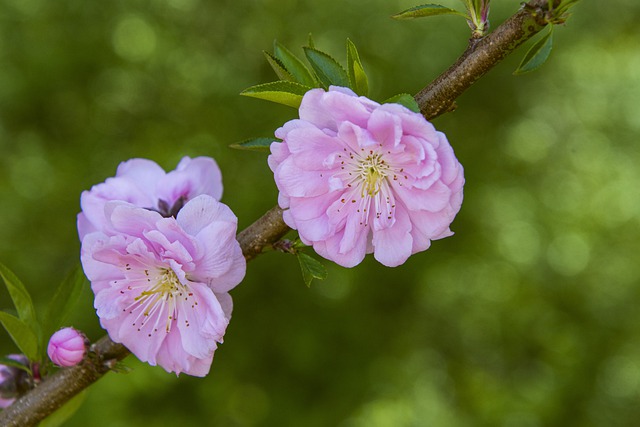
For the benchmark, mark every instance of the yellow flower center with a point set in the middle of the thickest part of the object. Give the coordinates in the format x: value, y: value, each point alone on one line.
x: 373, y: 170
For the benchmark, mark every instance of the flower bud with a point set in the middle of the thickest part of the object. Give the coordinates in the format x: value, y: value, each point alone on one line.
x: 13, y: 380
x: 67, y: 347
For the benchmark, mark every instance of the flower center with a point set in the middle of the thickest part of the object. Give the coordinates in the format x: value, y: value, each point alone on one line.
x: 162, y: 297
x: 368, y: 178
x: 373, y: 170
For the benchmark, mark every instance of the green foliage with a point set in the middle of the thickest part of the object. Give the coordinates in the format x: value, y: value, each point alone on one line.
x: 564, y: 7
x: 406, y: 100
x: 21, y: 299
x: 25, y: 329
x: 311, y: 268
x: 537, y: 54
x: 278, y: 67
x: 254, y: 144
x: 63, y: 303
x: 10, y: 362
x: 22, y: 335
x: 327, y: 69
x: 281, y: 92
x: 296, y: 78
x: 293, y: 65
x: 358, y: 80
x: 427, y: 10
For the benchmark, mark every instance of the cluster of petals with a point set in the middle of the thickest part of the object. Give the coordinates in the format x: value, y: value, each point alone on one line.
x: 161, y: 254
x: 357, y: 177
x: 67, y: 347
x: 145, y: 184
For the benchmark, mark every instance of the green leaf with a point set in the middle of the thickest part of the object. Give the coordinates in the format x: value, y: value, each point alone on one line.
x: 63, y: 302
x: 537, y: 55
x: 65, y: 412
x: 427, y: 10
x: 281, y: 92
x: 565, y: 5
x: 328, y: 70
x: 10, y: 362
x: 311, y: 268
x: 22, y: 335
x: 293, y: 65
x: 254, y: 144
x: 358, y: 80
x: 21, y: 299
x: 310, y: 42
x: 278, y: 67
x: 404, y: 99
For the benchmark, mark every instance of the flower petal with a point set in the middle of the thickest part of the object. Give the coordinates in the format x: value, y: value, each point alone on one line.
x: 393, y: 245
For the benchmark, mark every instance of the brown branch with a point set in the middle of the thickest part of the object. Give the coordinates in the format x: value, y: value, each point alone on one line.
x: 266, y: 230
x: 482, y: 55
x: 435, y: 99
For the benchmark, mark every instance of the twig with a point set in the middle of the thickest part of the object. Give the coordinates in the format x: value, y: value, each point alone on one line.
x: 434, y: 100
x: 439, y: 96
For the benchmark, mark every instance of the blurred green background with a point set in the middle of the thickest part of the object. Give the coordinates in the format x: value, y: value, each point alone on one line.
x: 528, y: 316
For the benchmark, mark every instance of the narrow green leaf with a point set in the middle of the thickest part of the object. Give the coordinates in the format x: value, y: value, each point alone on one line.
x: 10, y: 362
x: 537, y: 55
x: 565, y: 5
x: 62, y: 414
x: 254, y: 144
x: 293, y: 65
x: 328, y: 70
x: 311, y: 268
x: 358, y: 80
x: 404, y: 99
x: 311, y: 42
x: 22, y: 335
x: 21, y: 299
x: 281, y: 92
x: 427, y: 10
x: 278, y: 67
x: 63, y: 302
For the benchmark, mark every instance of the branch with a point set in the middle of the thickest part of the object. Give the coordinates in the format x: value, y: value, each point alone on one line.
x: 268, y: 229
x: 482, y: 55
x: 434, y: 100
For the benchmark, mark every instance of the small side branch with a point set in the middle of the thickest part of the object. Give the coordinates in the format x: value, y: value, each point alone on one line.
x: 439, y: 96
x: 267, y: 230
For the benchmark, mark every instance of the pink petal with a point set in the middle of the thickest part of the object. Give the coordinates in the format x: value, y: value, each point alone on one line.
x: 191, y: 178
x: 393, y: 245
x: 385, y: 127
x: 297, y: 182
x: 434, y: 199
x: 219, y: 252
x: 201, y: 211
x: 203, y: 325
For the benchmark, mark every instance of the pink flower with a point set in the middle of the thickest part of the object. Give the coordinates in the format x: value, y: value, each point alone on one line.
x: 67, y: 347
x: 357, y: 177
x: 14, y: 381
x: 161, y: 284
x: 143, y: 183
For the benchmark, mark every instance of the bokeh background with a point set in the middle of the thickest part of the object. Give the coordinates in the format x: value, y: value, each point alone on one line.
x: 528, y: 316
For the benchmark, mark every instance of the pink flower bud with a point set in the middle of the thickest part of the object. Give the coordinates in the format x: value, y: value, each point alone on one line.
x: 67, y: 347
